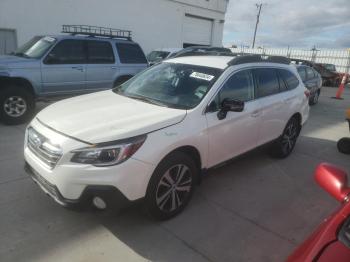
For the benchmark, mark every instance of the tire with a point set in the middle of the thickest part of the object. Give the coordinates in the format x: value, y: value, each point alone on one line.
x: 285, y: 144
x: 163, y: 199
x: 17, y: 105
x: 314, y: 99
x: 344, y: 145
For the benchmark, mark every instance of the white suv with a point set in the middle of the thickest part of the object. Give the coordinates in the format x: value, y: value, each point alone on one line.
x: 152, y: 137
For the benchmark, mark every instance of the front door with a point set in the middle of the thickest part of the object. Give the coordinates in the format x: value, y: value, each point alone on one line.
x: 63, y: 69
x: 238, y: 131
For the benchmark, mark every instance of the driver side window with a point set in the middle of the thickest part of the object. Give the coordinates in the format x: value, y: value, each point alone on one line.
x: 239, y: 86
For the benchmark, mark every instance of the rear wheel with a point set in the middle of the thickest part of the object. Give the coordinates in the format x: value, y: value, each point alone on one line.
x: 16, y: 105
x: 314, y: 99
x: 171, y: 186
x: 284, y: 145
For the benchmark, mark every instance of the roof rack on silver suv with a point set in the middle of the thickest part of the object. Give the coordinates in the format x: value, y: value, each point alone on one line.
x: 96, y: 31
x: 258, y: 58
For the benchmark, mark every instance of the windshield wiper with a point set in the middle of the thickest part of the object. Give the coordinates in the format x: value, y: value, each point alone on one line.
x: 147, y: 100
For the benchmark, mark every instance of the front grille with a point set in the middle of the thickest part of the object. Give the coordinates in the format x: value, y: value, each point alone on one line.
x: 42, y: 148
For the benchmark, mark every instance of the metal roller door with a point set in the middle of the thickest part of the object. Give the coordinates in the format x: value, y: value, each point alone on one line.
x: 8, y: 41
x: 197, y: 31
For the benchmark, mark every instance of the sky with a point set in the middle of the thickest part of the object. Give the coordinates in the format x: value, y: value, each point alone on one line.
x: 294, y: 23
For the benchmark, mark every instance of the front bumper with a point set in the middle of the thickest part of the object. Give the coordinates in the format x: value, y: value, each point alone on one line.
x: 69, y: 182
x: 111, y: 195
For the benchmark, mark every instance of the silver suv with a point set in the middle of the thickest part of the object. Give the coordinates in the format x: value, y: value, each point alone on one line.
x: 87, y: 59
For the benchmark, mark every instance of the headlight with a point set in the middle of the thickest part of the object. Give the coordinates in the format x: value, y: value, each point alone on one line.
x: 107, y: 154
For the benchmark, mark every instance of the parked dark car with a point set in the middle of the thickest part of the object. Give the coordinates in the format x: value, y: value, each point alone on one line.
x: 330, y: 77
x: 312, y: 81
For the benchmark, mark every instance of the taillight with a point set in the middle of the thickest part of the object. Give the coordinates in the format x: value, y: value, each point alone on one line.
x: 307, y: 93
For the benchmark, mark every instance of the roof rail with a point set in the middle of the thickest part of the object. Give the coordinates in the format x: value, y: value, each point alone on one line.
x: 243, y: 59
x: 96, y: 31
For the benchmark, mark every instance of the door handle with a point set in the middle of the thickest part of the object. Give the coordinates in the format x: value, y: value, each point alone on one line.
x: 80, y: 68
x: 113, y: 67
x: 256, y: 113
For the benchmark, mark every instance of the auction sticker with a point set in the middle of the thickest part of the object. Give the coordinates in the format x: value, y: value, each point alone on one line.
x: 202, y: 76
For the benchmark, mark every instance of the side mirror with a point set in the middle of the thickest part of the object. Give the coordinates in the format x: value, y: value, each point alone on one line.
x: 333, y: 180
x: 230, y: 105
x: 51, y: 59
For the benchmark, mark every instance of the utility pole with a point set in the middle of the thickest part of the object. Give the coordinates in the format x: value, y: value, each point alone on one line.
x: 259, y: 6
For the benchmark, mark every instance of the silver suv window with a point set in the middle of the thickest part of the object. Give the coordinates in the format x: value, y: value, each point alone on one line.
x: 130, y: 54
x: 67, y: 51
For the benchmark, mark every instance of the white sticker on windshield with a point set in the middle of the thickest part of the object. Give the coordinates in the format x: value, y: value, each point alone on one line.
x: 49, y: 39
x: 202, y: 76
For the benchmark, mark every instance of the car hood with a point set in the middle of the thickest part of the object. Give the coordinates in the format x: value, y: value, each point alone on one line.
x: 8, y: 59
x: 106, y: 116
x: 13, y: 62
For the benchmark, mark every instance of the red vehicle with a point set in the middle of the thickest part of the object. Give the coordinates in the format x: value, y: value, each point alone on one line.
x: 331, y: 241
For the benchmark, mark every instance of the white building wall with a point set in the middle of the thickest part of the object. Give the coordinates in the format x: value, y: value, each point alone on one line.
x: 154, y: 23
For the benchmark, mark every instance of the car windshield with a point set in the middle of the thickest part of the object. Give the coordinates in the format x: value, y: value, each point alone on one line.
x: 36, y: 47
x: 157, y: 55
x: 172, y: 85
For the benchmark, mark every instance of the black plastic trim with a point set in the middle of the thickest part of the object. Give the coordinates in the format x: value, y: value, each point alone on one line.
x: 110, y: 194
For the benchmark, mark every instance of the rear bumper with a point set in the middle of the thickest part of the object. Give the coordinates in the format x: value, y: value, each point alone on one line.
x: 110, y: 194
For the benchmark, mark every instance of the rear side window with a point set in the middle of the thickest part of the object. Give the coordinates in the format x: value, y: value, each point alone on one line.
x: 309, y: 73
x: 267, y: 81
x: 302, y: 73
x: 240, y: 86
x: 100, y: 52
x: 130, y: 54
x: 67, y: 52
x: 289, y: 78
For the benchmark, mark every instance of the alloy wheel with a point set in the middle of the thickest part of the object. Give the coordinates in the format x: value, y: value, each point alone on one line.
x: 289, y: 137
x: 174, y: 188
x: 15, y: 106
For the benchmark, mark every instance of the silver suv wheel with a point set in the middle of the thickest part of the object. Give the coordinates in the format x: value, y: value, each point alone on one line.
x: 15, y: 106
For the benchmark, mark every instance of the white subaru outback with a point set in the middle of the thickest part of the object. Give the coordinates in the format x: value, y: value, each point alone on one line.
x: 152, y: 137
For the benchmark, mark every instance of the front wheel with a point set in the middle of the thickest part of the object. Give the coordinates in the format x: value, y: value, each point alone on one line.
x: 16, y: 105
x: 284, y: 145
x: 171, y: 186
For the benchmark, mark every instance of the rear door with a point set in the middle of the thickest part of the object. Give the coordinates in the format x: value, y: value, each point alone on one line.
x: 101, y: 68
x: 238, y: 131
x: 63, y: 69
x: 274, y: 112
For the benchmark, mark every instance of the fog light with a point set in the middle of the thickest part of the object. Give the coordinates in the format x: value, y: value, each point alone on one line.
x: 99, y: 203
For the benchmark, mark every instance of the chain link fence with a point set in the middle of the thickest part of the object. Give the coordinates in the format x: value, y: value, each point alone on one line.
x: 340, y: 58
